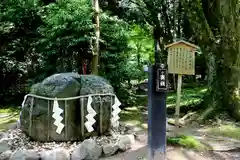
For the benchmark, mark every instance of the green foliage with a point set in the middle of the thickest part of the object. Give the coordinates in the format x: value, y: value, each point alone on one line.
x: 65, y: 35
x: 190, y: 98
x: 113, y: 58
x: 125, y: 43
x: 56, y: 37
x: 186, y: 141
x: 18, y: 27
x: 19, y: 21
x: 141, y: 43
x: 134, y: 116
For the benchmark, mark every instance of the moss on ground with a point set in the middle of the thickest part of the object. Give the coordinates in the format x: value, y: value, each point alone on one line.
x: 189, y: 97
x: 9, y: 110
x: 8, y: 116
x: 134, y: 116
x: 186, y: 141
x: 230, y: 131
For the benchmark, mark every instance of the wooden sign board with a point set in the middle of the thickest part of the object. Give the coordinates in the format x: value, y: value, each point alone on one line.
x: 181, y: 58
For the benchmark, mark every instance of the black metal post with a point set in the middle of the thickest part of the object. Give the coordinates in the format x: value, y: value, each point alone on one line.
x: 156, y: 119
x: 157, y: 91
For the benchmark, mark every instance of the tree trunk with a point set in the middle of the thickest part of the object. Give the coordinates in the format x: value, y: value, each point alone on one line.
x: 179, y: 20
x: 139, y: 60
x: 227, y: 57
x: 174, y: 82
x: 218, y: 28
x: 96, y: 48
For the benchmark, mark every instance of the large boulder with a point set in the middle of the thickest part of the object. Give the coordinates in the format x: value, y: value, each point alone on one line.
x: 40, y: 125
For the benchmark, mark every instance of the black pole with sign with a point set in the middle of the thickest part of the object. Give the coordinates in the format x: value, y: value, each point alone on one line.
x: 157, y: 92
x: 157, y: 112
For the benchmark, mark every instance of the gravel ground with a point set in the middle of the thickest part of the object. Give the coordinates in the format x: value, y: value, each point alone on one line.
x: 18, y: 140
x: 139, y: 151
x: 176, y: 153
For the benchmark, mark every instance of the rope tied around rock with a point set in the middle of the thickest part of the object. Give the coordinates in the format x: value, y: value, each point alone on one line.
x: 57, y: 112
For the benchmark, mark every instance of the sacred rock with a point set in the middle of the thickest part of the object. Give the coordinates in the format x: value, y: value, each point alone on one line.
x: 36, y: 115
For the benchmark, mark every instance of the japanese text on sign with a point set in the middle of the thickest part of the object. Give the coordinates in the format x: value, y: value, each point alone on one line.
x: 161, y: 81
x: 181, y: 61
x: 181, y: 58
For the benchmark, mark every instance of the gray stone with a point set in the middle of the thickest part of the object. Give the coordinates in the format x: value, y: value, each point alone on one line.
x: 79, y: 153
x: 25, y: 155
x: 87, y: 150
x: 110, y: 149
x: 6, y: 155
x: 58, y: 154
x: 126, y: 141
x: 18, y: 124
x: 4, y: 144
x: 3, y: 135
x: 12, y: 126
x: 65, y: 85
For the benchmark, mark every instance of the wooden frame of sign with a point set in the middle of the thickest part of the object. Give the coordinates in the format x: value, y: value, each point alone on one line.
x: 181, y: 61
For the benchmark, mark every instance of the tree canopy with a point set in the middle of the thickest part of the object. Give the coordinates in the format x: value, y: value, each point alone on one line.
x: 39, y: 38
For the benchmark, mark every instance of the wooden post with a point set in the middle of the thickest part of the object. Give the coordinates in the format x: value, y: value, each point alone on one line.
x: 49, y: 120
x: 82, y: 116
x: 96, y: 48
x: 101, y: 116
x: 66, y: 119
x: 177, y: 113
x: 30, y: 117
x: 111, y: 104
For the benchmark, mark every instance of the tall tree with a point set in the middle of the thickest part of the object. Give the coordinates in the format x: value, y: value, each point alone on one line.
x: 96, y: 49
x: 19, y: 22
x: 161, y: 15
x: 157, y: 13
x: 216, y: 24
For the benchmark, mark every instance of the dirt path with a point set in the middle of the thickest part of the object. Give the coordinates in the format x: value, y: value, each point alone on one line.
x: 222, y: 148
x: 139, y: 151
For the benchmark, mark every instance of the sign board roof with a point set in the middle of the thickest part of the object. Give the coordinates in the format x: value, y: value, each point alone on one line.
x: 183, y: 42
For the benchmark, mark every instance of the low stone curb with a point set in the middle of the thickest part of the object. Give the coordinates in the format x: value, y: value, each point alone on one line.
x: 88, y: 149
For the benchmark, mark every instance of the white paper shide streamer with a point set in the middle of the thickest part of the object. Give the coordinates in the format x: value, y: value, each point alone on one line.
x: 90, y: 116
x: 24, y: 100
x: 57, y: 116
x: 115, y: 112
x: 23, y: 103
